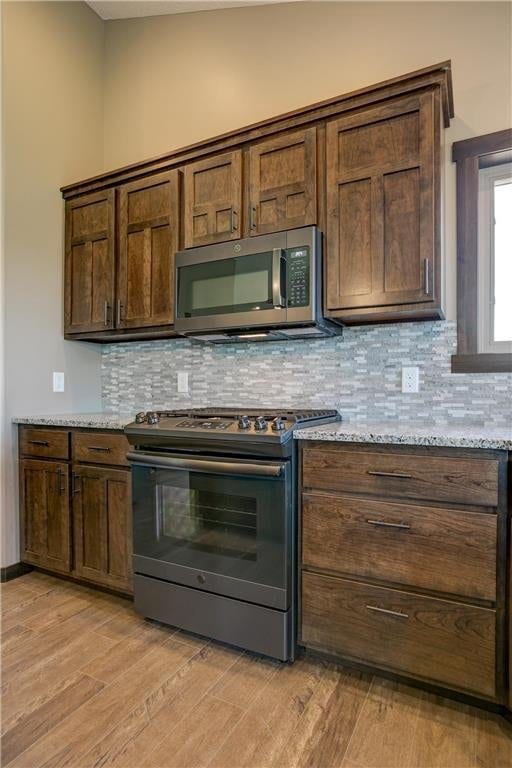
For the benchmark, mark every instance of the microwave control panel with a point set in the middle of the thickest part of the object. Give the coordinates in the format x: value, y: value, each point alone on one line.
x: 298, y: 283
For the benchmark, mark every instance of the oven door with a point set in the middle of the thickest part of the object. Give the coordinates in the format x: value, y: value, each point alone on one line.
x: 224, y: 526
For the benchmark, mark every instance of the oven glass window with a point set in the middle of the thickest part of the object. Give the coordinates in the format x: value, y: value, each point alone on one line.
x: 205, y: 521
x: 228, y: 525
x: 237, y: 284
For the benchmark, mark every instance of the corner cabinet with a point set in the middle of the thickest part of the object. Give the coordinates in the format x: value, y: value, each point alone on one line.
x: 75, y: 504
x: 383, y: 211
x: 365, y: 167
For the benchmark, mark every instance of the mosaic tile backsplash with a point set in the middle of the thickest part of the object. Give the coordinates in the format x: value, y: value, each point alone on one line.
x: 359, y: 373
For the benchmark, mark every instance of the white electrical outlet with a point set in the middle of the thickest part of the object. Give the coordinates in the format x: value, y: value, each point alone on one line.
x: 183, y: 382
x: 411, y: 379
x: 58, y: 381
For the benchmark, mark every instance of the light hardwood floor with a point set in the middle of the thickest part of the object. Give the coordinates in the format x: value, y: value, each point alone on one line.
x: 87, y: 683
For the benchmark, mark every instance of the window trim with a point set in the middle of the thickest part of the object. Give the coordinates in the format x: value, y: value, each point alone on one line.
x: 471, y: 155
x: 488, y: 177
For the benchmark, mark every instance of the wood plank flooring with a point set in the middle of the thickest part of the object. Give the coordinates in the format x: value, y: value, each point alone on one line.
x: 86, y: 683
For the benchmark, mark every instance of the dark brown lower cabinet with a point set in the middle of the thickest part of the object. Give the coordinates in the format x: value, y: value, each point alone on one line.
x: 76, y: 517
x: 445, y: 641
x: 102, y: 525
x: 403, y: 562
x: 46, y: 527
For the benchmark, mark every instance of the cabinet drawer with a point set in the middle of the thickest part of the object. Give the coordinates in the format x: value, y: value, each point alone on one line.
x: 400, y: 475
x: 100, y: 448
x: 436, y: 640
x: 44, y: 443
x: 436, y: 549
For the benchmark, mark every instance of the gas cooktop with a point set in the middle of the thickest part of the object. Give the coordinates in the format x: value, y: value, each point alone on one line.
x: 238, y: 424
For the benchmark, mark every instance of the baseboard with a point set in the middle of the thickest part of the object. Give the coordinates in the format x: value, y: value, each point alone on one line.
x: 13, y: 571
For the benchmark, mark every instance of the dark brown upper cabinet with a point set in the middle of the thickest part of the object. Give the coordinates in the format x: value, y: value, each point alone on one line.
x: 89, y: 263
x: 282, y: 183
x: 46, y: 522
x: 364, y: 166
x: 149, y: 226
x: 383, y: 259
x: 213, y: 198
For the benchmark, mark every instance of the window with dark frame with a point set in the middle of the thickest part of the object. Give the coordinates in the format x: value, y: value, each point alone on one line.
x: 484, y: 253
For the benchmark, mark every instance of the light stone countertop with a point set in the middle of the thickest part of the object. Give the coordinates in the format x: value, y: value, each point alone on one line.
x: 406, y: 433
x: 84, y: 420
x: 385, y: 432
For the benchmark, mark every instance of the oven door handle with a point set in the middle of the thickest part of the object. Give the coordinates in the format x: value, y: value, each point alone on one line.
x: 206, y: 465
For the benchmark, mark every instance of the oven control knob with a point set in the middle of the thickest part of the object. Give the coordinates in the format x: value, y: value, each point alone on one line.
x: 140, y: 418
x: 278, y: 424
x: 244, y: 422
x: 259, y: 423
x: 152, y: 417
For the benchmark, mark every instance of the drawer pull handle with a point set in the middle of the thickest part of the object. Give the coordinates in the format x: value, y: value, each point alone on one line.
x: 398, y: 475
x: 384, y: 524
x: 40, y: 442
x: 100, y: 448
x: 396, y: 614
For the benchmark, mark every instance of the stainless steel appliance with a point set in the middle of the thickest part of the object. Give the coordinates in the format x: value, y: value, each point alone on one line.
x: 214, y: 523
x: 264, y: 288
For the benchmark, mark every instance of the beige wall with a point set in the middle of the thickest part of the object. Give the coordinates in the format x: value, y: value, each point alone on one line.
x: 172, y: 80
x: 53, y: 121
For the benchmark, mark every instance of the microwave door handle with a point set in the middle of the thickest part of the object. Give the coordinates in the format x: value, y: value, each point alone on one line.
x: 277, y: 296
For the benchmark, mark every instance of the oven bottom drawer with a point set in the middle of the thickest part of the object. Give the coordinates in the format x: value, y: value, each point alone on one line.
x: 253, y: 627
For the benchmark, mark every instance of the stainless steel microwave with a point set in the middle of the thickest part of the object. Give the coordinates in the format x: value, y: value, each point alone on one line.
x: 264, y: 288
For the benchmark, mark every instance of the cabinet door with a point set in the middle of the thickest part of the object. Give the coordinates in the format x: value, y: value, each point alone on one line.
x: 89, y: 264
x: 381, y: 183
x: 282, y: 183
x: 45, y: 518
x: 149, y: 214
x: 102, y: 526
x: 213, y: 194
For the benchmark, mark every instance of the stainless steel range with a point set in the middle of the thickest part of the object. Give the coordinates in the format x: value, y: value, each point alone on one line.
x: 214, y: 522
